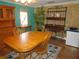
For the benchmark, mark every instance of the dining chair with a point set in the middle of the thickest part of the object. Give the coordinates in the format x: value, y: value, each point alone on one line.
x: 2, y: 45
x: 4, y: 32
x: 39, y: 50
x: 42, y: 48
x: 4, y: 49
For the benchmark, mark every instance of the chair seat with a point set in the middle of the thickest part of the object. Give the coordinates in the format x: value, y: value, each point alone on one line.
x: 40, y: 50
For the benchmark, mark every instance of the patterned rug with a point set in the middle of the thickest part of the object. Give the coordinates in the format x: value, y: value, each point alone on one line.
x: 53, y: 52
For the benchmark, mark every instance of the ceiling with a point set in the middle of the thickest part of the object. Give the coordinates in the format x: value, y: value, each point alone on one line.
x: 43, y: 2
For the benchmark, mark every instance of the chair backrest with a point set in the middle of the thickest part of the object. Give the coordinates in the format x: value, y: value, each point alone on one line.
x: 44, y: 44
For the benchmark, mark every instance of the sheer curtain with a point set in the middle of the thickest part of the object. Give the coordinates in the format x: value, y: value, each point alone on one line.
x: 24, y: 18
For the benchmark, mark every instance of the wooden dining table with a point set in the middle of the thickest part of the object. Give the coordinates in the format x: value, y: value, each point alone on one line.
x: 27, y: 41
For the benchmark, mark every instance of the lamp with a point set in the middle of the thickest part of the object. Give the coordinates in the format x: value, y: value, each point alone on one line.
x: 25, y: 2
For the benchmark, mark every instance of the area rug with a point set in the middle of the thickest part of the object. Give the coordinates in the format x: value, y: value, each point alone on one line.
x: 53, y: 52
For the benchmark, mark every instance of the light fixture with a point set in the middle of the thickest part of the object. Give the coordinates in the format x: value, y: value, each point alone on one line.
x: 22, y: 1
x: 25, y: 2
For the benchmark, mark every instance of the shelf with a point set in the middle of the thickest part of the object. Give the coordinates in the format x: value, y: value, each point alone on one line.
x: 55, y: 18
x: 55, y: 28
x: 5, y: 20
x: 55, y: 11
x: 51, y: 25
x: 6, y: 27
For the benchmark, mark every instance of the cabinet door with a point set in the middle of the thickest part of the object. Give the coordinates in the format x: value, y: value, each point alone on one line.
x: 6, y: 12
x: 2, y: 14
x: 7, y: 18
x: 9, y: 13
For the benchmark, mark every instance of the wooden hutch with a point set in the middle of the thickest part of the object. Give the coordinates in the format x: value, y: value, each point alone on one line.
x: 55, y: 19
x: 7, y: 22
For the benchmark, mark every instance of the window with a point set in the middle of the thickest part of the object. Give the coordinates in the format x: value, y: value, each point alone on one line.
x: 24, y: 18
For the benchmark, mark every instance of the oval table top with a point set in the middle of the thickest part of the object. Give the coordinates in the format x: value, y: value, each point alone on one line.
x: 26, y: 41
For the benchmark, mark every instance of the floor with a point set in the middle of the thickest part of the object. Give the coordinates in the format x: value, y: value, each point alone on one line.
x: 67, y: 52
